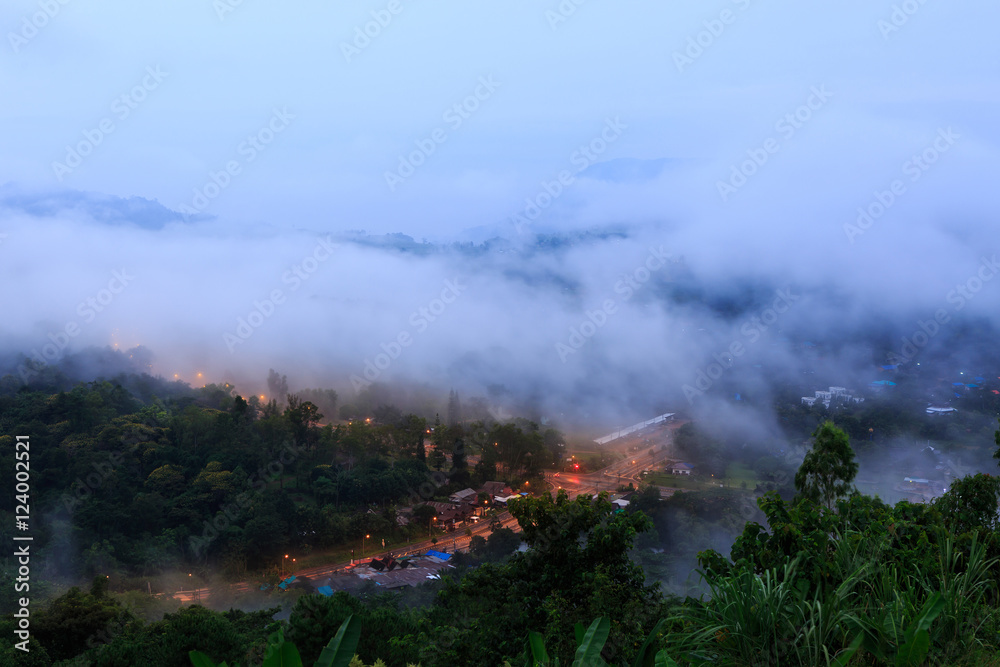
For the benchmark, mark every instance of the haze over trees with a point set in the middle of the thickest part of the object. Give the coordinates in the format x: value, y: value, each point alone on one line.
x: 143, y: 484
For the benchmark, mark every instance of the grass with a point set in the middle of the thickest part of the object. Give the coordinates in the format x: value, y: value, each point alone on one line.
x: 687, y: 482
x: 893, y: 612
x: 736, y: 475
x: 737, y: 472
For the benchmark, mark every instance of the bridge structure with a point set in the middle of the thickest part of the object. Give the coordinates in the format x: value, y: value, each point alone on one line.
x: 622, y: 432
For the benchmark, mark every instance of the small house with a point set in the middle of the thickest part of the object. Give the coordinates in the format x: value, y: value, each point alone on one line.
x: 463, y: 496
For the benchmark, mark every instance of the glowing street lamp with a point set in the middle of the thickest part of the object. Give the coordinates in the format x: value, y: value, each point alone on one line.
x: 363, y: 545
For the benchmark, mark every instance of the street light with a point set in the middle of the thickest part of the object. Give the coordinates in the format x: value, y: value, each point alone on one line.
x: 433, y: 519
x: 283, y: 567
x: 363, y: 545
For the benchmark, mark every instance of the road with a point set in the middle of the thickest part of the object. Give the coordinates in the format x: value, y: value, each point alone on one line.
x: 658, y: 438
x: 456, y: 541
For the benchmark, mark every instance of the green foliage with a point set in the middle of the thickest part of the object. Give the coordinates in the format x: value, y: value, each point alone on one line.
x: 996, y: 440
x: 315, y: 617
x: 893, y: 583
x: 829, y: 467
x: 577, y: 568
x: 707, y: 453
x: 501, y: 543
x: 589, y: 646
x: 512, y: 452
x: 204, y: 478
x: 971, y: 503
x: 75, y: 619
x: 916, y: 638
x: 589, y: 651
x: 831, y: 578
x: 235, y: 636
x: 339, y: 652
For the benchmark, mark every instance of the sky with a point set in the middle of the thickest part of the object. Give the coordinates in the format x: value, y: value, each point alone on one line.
x: 847, y: 148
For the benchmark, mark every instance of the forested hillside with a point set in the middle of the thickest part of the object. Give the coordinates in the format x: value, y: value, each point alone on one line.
x: 204, y: 479
x: 134, y: 489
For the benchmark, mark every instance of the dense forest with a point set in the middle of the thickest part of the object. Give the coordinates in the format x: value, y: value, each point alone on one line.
x: 136, y: 482
x: 134, y: 488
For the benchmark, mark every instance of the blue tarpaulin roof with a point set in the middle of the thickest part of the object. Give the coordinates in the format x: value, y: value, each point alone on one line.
x: 325, y: 590
x: 438, y: 554
x: 284, y: 584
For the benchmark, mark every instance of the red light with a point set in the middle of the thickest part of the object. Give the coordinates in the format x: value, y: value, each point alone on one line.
x: 576, y: 466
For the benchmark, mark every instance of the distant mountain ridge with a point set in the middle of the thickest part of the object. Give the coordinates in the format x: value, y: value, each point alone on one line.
x: 628, y: 169
x: 107, y: 209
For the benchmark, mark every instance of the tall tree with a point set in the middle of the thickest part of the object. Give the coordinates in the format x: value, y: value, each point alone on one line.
x: 577, y: 566
x: 971, y: 503
x: 75, y: 617
x: 828, y: 468
x: 459, y: 465
x: 454, y: 409
x: 996, y: 439
x: 437, y: 459
x: 302, y: 418
x: 412, y: 430
x: 277, y: 384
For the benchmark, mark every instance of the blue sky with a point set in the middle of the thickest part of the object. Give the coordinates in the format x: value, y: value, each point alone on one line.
x: 228, y: 68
